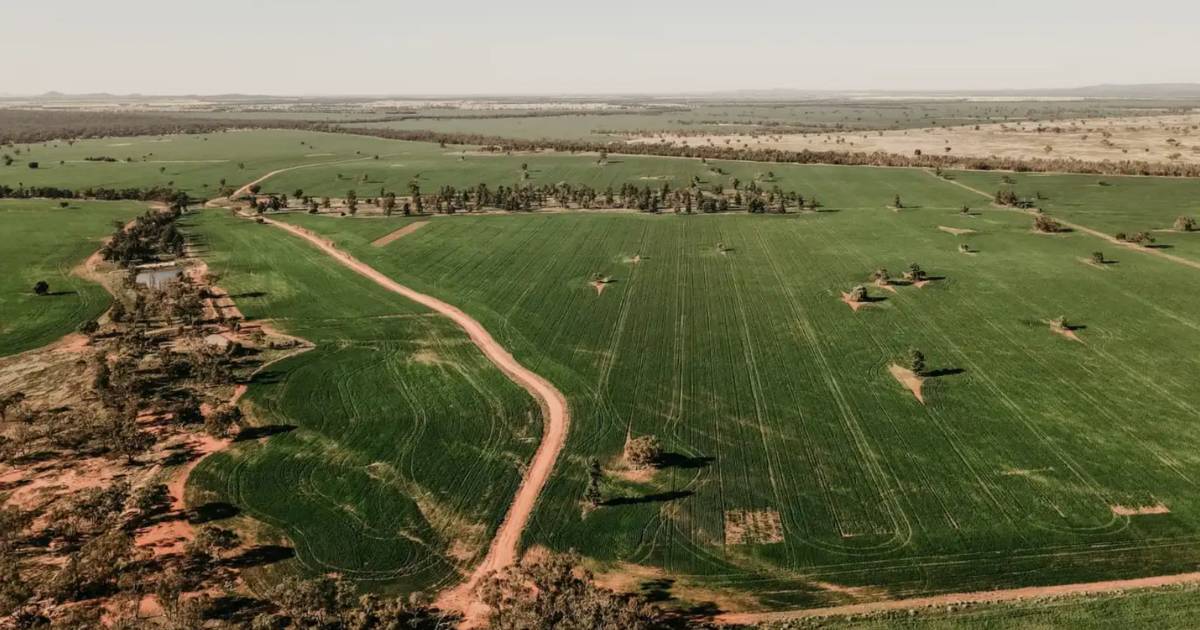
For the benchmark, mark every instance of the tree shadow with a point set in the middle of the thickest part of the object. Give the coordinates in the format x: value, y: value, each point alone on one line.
x: 248, y: 294
x: 212, y: 511
x: 259, y: 556
x: 256, y: 433
x: 236, y: 609
x: 1159, y: 246
x: 660, y: 497
x: 679, y: 460
x: 59, y: 293
x: 943, y: 372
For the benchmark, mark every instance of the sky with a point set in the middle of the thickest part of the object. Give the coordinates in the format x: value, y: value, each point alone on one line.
x: 455, y: 47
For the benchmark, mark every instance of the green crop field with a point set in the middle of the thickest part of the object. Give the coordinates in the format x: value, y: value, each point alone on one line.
x: 42, y: 241
x: 1109, y: 204
x: 797, y: 465
x: 774, y: 398
x: 400, y: 443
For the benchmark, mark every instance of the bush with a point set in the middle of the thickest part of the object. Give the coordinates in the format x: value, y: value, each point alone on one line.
x: 858, y: 294
x: 916, y: 361
x: 41, y: 288
x: 643, y: 451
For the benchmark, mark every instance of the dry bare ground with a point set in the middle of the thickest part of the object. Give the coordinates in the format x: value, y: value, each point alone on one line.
x: 503, y: 549
x: 1148, y: 138
x: 392, y: 237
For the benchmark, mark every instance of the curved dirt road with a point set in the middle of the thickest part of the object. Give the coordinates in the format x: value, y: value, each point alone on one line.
x: 246, y: 189
x: 503, y: 550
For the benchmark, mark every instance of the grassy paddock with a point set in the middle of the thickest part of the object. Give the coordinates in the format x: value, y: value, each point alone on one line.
x: 773, y: 397
x: 43, y: 241
x: 395, y: 445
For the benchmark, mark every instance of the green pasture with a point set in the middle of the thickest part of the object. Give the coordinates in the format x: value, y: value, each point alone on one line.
x: 1108, y: 204
x: 772, y: 396
x: 43, y: 241
x: 394, y: 446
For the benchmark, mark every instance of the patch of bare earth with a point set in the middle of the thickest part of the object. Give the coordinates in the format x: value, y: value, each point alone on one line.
x: 955, y: 231
x: 599, y: 285
x: 854, y: 306
x: 753, y: 527
x: 885, y: 285
x: 1064, y: 331
x: 1141, y: 510
x: 909, y: 379
x: 626, y: 577
x: 1167, y: 139
x: 396, y: 235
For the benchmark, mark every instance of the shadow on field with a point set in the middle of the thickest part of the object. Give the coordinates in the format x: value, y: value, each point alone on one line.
x: 213, y: 511
x: 679, y: 460
x: 255, y: 433
x: 261, y: 555
x: 660, y: 497
x: 943, y: 372
x: 235, y: 609
x: 681, y: 614
x: 249, y: 294
x: 59, y: 293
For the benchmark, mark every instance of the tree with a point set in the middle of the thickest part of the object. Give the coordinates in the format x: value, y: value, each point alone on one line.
x: 858, y: 294
x: 1185, y: 224
x: 389, y: 203
x: 914, y: 273
x: 352, y: 201
x: 10, y: 402
x: 643, y: 451
x: 916, y: 361
x: 1098, y: 258
x: 880, y: 275
x: 41, y: 288
x: 556, y: 592
x: 1043, y: 223
x: 896, y: 203
x: 123, y: 436
x: 592, y: 493
x: 215, y: 540
x: 223, y: 422
x: 254, y: 188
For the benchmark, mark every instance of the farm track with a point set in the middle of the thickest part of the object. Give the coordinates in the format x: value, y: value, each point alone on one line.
x: 977, y: 597
x: 246, y: 189
x: 503, y: 549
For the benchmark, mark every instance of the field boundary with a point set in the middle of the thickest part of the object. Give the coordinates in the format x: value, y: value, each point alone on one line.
x: 975, y: 597
x: 503, y: 550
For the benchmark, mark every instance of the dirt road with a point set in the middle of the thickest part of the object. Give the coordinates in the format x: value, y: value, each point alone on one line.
x: 977, y: 597
x: 503, y: 550
x: 245, y: 190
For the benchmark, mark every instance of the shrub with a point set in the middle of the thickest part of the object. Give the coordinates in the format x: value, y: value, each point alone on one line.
x: 41, y: 288
x: 1185, y: 224
x: 916, y: 361
x: 858, y: 294
x: 643, y: 451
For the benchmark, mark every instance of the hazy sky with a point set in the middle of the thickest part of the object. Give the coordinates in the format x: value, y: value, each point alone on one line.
x: 557, y: 46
